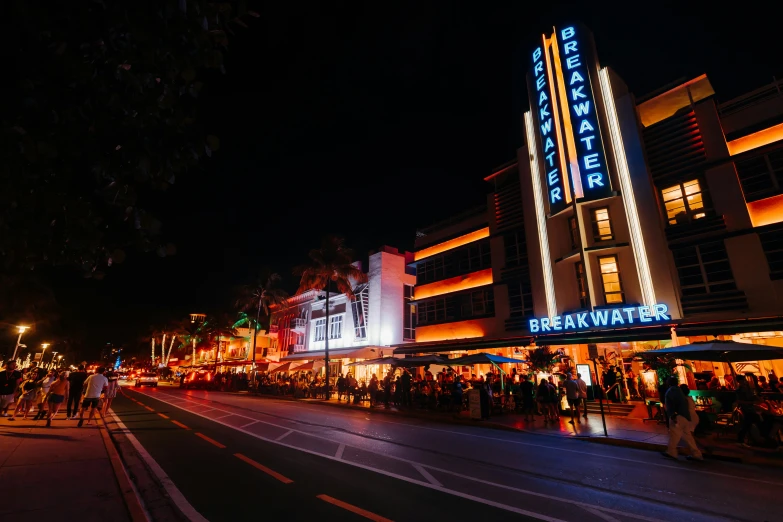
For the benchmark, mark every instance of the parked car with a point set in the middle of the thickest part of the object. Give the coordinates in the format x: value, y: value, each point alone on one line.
x: 197, y: 380
x: 147, y: 379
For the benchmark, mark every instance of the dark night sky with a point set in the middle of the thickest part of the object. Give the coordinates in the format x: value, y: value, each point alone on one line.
x: 370, y: 123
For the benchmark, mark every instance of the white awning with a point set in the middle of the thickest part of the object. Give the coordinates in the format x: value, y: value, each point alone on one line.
x: 355, y: 352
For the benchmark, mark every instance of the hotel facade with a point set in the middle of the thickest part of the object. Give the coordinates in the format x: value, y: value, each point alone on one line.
x: 624, y: 223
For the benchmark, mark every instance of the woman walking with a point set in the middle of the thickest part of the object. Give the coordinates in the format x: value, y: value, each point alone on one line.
x: 111, y: 390
x: 27, y: 399
x: 43, y: 391
x: 542, y: 396
x: 58, y: 391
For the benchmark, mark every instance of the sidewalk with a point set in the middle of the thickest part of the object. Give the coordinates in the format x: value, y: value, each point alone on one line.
x: 633, y: 433
x: 63, y: 472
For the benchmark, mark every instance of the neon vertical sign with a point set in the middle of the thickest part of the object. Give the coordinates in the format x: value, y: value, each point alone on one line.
x: 548, y: 127
x: 575, y: 61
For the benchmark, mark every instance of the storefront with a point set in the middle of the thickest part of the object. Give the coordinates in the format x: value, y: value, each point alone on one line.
x: 339, y: 359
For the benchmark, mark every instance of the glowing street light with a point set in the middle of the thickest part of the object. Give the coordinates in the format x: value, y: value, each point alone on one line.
x: 44, y: 346
x: 22, y: 329
x: 51, y: 363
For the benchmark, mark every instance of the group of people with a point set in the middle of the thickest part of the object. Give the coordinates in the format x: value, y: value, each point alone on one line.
x: 755, y: 382
x: 48, y: 390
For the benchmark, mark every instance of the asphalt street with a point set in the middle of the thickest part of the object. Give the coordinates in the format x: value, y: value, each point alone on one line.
x: 232, y: 455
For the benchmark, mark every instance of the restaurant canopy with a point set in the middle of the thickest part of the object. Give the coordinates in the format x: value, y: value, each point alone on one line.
x: 424, y: 360
x: 357, y: 352
x: 722, y: 351
x: 369, y: 362
x: 281, y: 368
x: 483, y: 358
x: 312, y: 365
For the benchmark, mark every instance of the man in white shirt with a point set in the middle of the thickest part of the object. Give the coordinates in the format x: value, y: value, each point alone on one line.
x: 93, y: 387
x: 582, y: 385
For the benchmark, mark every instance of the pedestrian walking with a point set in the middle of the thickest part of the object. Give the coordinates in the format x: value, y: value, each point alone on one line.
x: 527, y: 387
x: 342, y: 385
x: 111, y: 390
x: 374, y: 385
x: 406, y: 388
x: 58, y: 391
x: 572, y: 395
x: 554, y: 399
x: 746, y: 398
x: 10, y: 378
x: 43, y: 392
x: 582, y: 393
x: 679, y: 422
x: 29, y: 392
x: 76, y: 383
x: 93, y: 387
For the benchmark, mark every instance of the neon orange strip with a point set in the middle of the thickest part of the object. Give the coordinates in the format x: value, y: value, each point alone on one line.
x: 449, y: 331
x: 451, y: 244
x: 573, y: 174
x: 275, y: 474
x: 556, y: 116
x: 180, y: 425
x: 454, y: 284
x: 164, y: 416
x: 766, y: 211
x: 353, y: 509
x: 211, y: 441
x: 756, y: 140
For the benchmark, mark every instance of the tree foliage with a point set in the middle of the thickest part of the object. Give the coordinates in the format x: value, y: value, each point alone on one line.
x: 99, y: 116
x: 254, y: 301
x: 330, y: 264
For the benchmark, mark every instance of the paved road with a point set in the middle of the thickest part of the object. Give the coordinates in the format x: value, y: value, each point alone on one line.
x: 228, y: 454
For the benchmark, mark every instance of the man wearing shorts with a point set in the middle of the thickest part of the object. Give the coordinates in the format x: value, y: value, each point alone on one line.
x: 10, y: 378
x: 93, y: 387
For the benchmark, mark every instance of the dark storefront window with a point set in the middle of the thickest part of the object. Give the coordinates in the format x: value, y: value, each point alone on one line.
x: 520, y: 298
x: 704, y: 269
x: 573, y: 230
x: 408, y: 315
x: 516, y: 249
x: 762, y: 176
x: 581, y: 284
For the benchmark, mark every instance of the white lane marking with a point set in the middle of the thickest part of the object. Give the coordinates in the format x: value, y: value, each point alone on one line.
x: 248, y: 424
x: 601, y: 515
x: 223, y: 416
x: 340, y: 450
x: 521, y: 443
x: 176, y: 495
x: 427, y: 475
x: 284, y: 435
x: 441, y: 488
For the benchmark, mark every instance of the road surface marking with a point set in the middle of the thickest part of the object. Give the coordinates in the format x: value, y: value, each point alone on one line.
x: 353, y: 509
x: 275, y: 474
x: 427, y: 475
x: 284, y: 435
x: 227, y: 415
x: 211, y: 441
x: 147, y: 407
x: 602, y: 516
x: 174, y: 493
x: 340, y: 451
x: 180, y: 425
x: 164, y: 416
x: 248, y: 424
x: 458, y: 493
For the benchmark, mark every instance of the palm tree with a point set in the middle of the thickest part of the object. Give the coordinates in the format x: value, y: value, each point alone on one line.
x: 260, y: 297
x: 191, y: 335
x: 177, y: 329
x: 330, y: 264
x: 217, y: 327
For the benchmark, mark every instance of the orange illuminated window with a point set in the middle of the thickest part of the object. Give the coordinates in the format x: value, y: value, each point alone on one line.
x: 602, y: 226
x: 610, y: 278
x: 684, y: 202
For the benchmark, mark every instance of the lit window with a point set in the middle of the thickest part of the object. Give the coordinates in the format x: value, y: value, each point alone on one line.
x: 581, y: 283
x: 409, y: 314
x: 319, y: 330
x: 336, y: 327
x: 610, y: 277
x: 684, y: 202
x: 602, y: 227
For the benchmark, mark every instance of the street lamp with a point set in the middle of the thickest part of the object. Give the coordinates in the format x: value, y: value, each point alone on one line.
x: 51, y: 363
x: 44, y: 346
x: 195, y: 319
x: 22, y: 329
x: 59, y: 360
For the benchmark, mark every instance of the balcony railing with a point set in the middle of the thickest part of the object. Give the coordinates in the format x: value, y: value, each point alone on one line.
x: 297, y: 348
x: 273, y: 328
x: 298, y: 322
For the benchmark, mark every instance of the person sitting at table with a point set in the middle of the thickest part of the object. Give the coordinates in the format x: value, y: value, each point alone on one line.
x: 714, y: 383
x: 774, y: 383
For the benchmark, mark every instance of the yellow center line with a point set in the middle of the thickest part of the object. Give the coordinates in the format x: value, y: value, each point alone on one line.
x: 164, y: 416
x: 353, y: 509
x: 211, y: 441
x: 180, y: 425
x: 271, y: 473
x: 149, y: 408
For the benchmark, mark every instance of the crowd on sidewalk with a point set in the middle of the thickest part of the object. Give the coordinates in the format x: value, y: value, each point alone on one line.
x: 41, y: 393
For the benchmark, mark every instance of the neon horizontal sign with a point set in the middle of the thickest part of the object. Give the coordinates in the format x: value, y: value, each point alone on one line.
x: 576, y: 60
x: 623, y: 316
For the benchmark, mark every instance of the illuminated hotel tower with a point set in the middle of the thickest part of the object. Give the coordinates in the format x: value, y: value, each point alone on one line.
x: 592, y: 210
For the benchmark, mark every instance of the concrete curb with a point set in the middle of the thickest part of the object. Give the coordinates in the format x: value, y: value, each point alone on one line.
x: 609, y: 441
x: 130, y: 496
